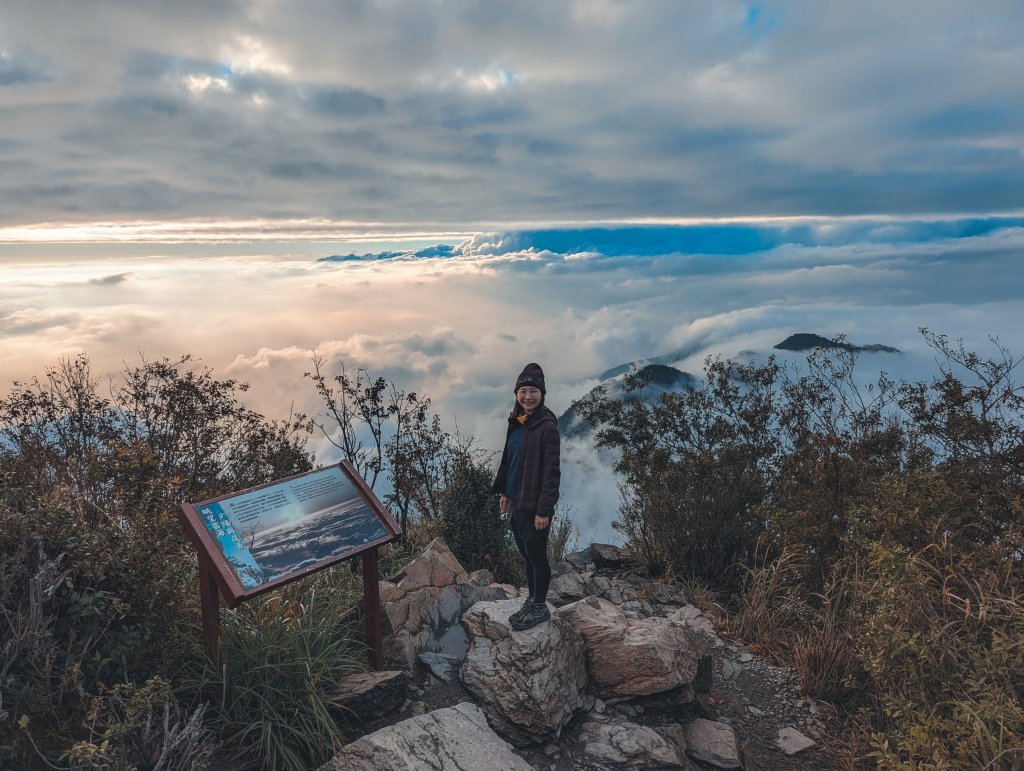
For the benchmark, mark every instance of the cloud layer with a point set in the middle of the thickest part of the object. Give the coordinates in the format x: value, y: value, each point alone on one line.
x: 457, y: 321
x: 471, y: 112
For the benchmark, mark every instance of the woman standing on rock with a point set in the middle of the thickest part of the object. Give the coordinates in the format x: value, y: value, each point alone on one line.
x: 527, y: 482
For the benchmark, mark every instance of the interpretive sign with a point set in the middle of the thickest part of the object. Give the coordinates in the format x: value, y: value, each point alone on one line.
x: 254, y: 540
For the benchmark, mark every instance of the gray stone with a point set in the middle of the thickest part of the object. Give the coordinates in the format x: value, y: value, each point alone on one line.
x: 730, y: 669
x: 711, y: 742
x: 619, y: 743
x: 455, y: 737
x: 528, y: 682
x: 631, y: 657
x: 566, y: 588
x: 580, y: 560
x: 481, y: 577
x: 496, y: 592
x: 608, y: 556
x: 694, y: 619
x: 746, y: 657
x: 560, y: 568
x: 613, y: 595
x: 368, y: 695
x: 792, y: 741
x: 441, y: 665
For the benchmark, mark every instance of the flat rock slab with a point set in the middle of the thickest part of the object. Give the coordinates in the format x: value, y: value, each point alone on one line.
x: 368, y: 695
x: 452, y: 738
x: 713, y: 743
x: 791, y: 741
x: 619, y: 743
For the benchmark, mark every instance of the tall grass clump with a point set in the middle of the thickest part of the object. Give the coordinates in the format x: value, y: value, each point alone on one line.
x: 271, y: 689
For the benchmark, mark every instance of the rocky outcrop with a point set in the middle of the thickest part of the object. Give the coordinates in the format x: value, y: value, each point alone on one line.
x: 453, y: 738
x: 632, y: 657
x: 421, y: 602
x: 530, y: 682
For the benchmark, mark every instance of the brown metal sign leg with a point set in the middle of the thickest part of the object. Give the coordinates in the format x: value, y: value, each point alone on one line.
x: 210, y: 601
x: 371, y: 601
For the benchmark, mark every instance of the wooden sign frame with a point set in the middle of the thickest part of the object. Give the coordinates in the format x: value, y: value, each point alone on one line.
x: 220, y: 575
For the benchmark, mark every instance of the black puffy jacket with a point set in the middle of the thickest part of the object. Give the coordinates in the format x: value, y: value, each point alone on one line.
x: 539, y: 471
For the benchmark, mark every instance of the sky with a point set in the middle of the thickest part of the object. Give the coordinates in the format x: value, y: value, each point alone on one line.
x: 581, y: 184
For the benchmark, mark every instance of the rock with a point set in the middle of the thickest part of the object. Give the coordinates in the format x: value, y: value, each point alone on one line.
x: 632, y: 609
x: 613, y: 595
x: 580, y: 560
x: 481, y: 577
x: 792, y: 741
x: 694, y: 619
x: 560, y: 568
x: 441, y: 665
x: 619, y: 743
x: 667, y: 594
x: 755, y: 711
x: 608, y: 556
x: 631, y: 657
x: 493, y: 592
x: 421, y: 602
x: 455, y: 737
x: 566, y: 588
x: 368, y: 695
x: 530, y: 682
x: 746, y: 657
x: 730, y: 669
x: 711, y: 742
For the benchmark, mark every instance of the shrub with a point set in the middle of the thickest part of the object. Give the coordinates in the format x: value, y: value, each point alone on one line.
x: 471, y: 523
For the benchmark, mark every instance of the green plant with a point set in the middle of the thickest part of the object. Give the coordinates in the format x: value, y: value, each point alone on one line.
x: 271, y: 689
x: 564, y: 537
x: 471, y: 523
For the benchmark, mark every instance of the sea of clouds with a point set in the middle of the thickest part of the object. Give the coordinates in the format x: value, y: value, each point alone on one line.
x: 457, y: 321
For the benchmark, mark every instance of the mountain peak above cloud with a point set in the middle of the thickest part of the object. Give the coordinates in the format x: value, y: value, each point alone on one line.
x: 806, y: 341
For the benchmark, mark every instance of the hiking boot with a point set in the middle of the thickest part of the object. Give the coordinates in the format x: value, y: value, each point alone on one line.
x: 514, y: 618
x: 536, y: 613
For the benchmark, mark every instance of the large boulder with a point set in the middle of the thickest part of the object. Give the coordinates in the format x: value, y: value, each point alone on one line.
x: 455, y: 737
x: 528, y: 682
x: 422, y: 602
x: 629, y: 656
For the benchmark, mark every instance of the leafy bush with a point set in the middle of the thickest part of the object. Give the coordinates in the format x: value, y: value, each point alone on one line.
x: 874, y: 535
x: 98, y: 581
x: 472, y: 525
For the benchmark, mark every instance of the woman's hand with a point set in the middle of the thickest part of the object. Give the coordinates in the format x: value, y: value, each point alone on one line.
x: 503, y: 505
x: 541, y: 523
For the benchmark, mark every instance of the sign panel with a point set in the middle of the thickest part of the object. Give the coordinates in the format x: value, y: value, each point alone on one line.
x: 291, y: 527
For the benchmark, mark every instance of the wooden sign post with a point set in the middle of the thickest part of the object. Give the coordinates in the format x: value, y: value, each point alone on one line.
x: 253, y: 541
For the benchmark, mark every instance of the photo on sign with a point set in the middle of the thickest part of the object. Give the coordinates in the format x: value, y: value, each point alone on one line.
x: 287, y: 527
